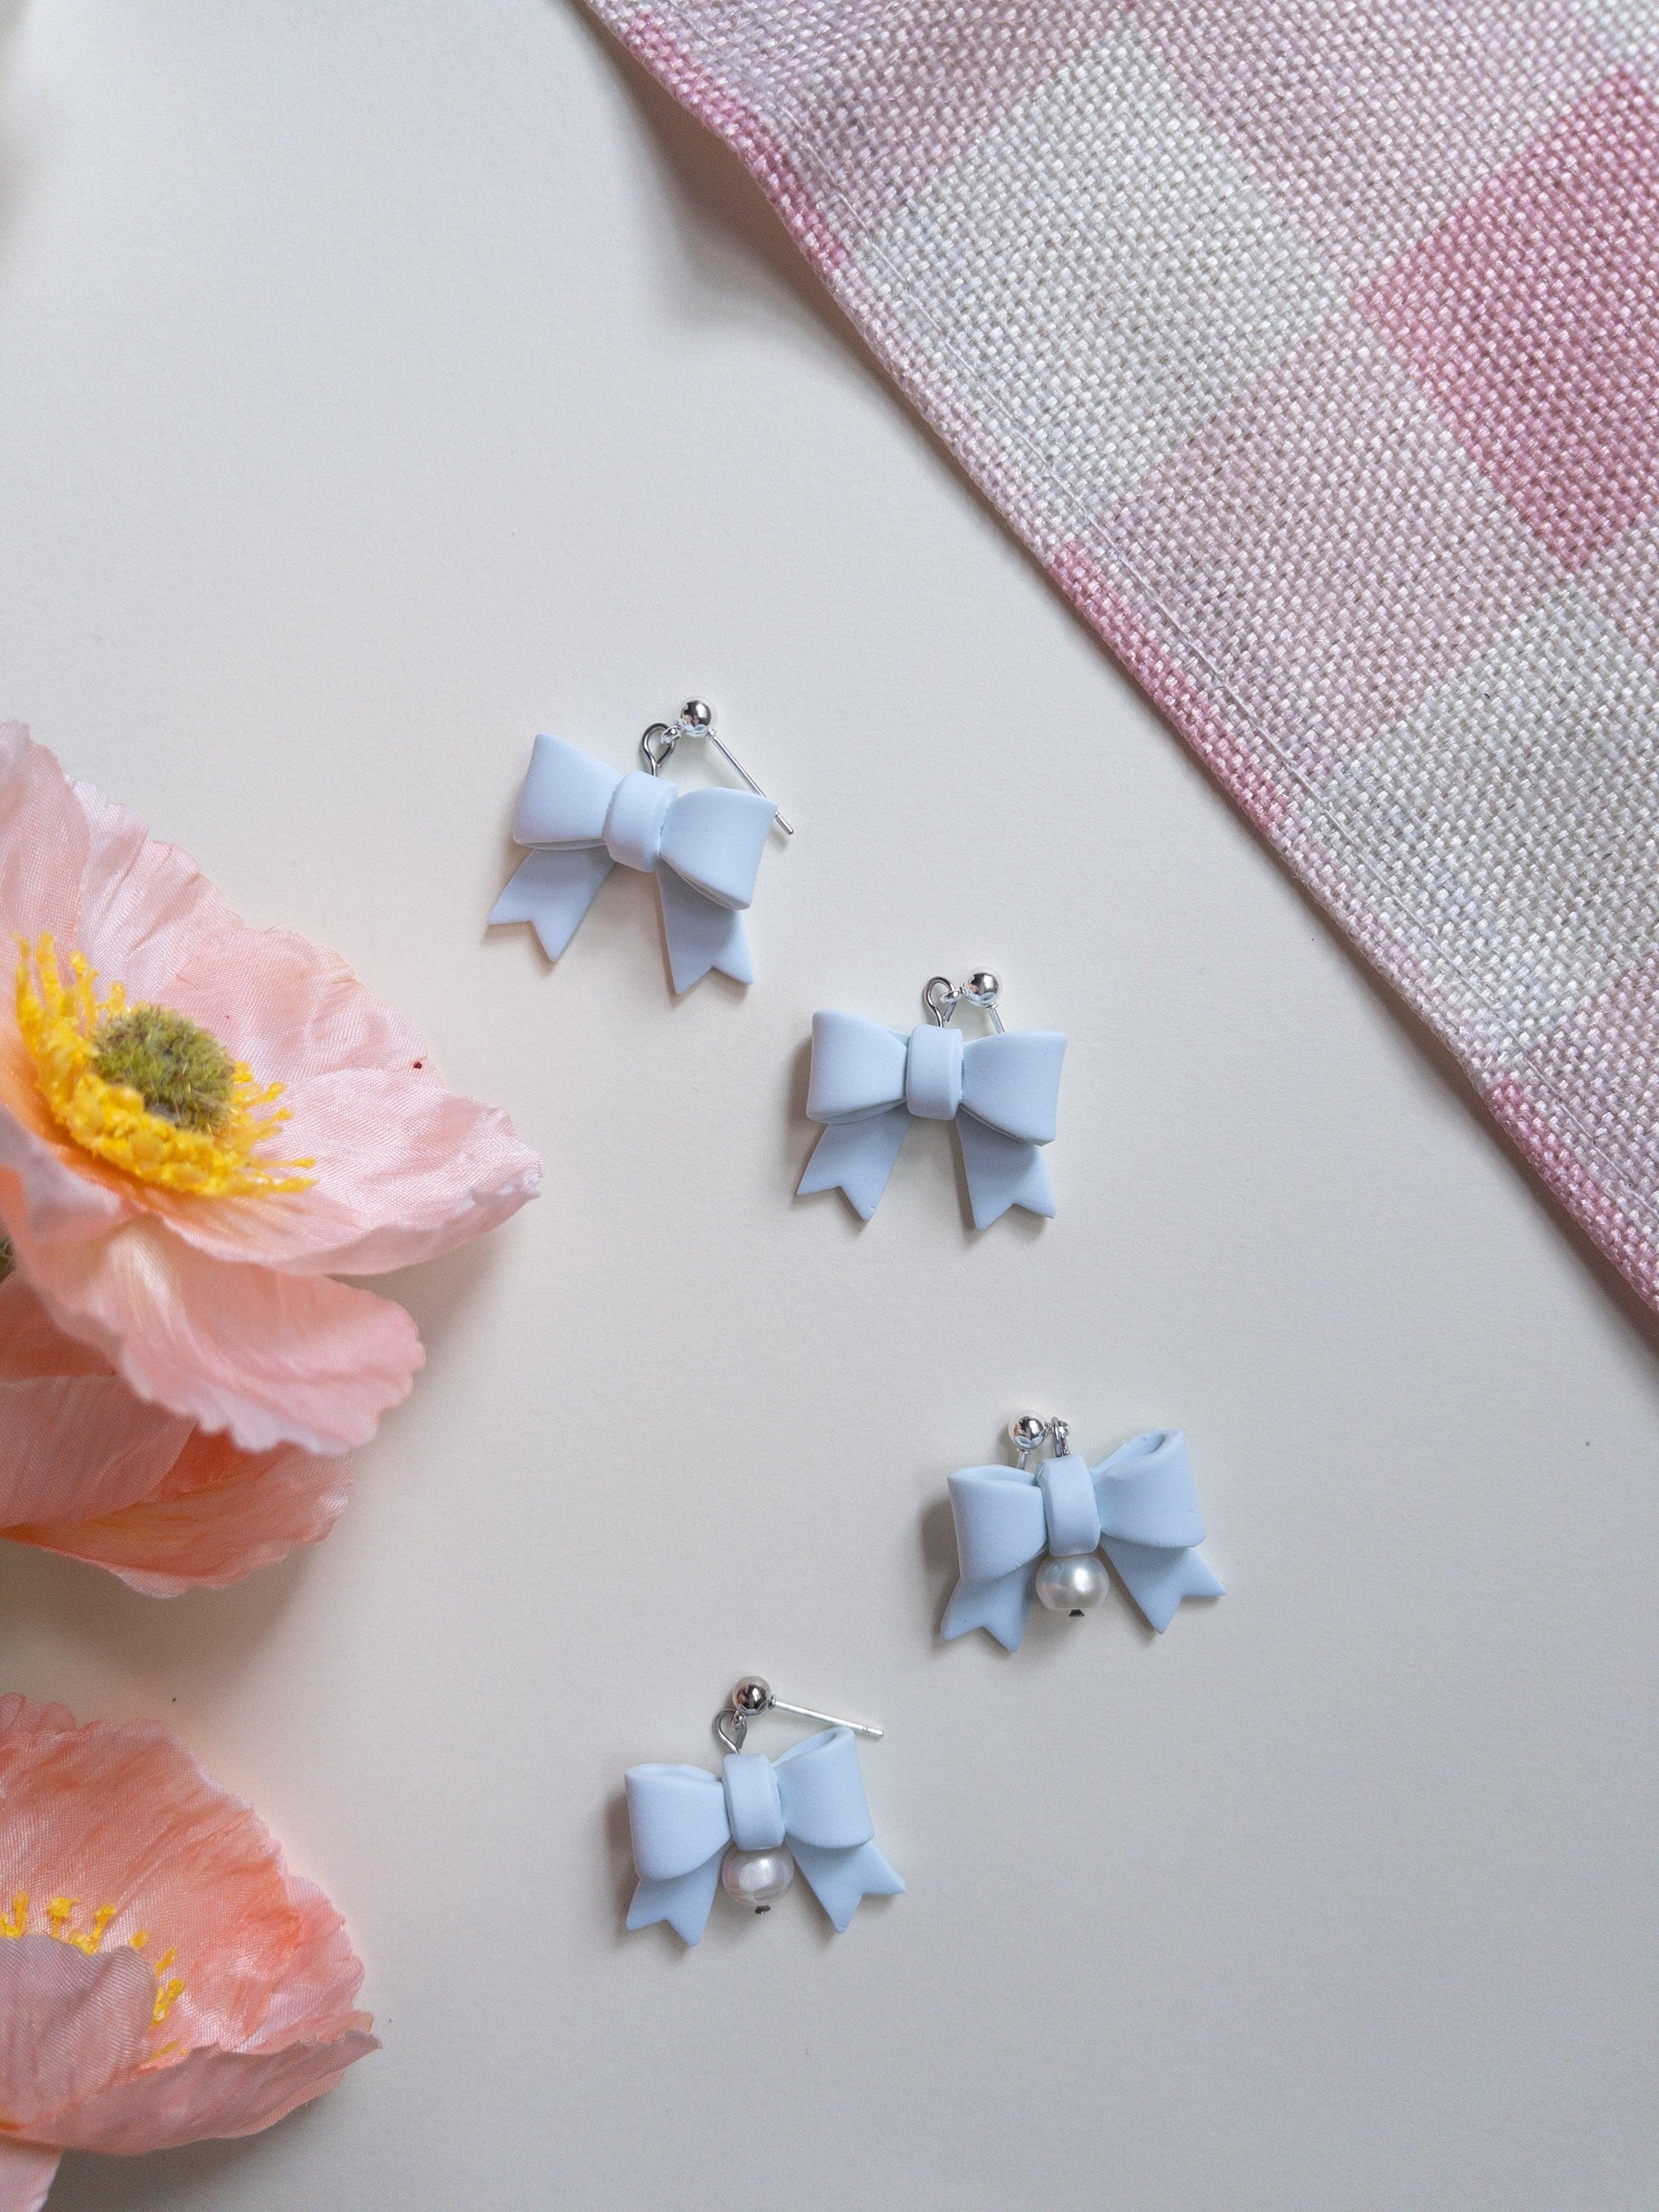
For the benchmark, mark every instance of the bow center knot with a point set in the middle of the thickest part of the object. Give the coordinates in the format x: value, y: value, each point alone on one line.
x: 637, y: 815
x: 754, y: 1806
x: 933, y: 1073
x: 1070, y: 1507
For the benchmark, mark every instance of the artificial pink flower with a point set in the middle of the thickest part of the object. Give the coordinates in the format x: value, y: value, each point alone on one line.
x: 88, y: 1469
x: 161, y: 1205
x: 163, y: 1977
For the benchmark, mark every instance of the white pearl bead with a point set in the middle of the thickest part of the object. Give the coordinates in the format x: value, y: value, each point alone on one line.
x: 1071, y: 1585
x: 756, y: 1878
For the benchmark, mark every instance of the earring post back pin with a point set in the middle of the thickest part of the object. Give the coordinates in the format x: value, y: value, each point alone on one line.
x: 829, y: 1720
x: 754, y: 1695
x: 696, y: 719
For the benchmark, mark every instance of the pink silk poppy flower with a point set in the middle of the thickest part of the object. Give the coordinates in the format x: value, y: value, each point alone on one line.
x: 164, y: 1206
x: 86, y: 1470
x: 163, y: 1977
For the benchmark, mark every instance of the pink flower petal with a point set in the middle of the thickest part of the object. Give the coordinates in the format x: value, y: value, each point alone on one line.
x: 90, y: 1471
x: 318, y: 2000
x: 404, y: 1170
x: 242, y: 1511
x: 69, y: 2026
x: 27, y: 2173
x: 150, y: 919
x: 33, y: 1348
x: 266, y: 2018
x: 79, y: 1447
x: 122, y: 1815
x: 41, y: 1188
x: 43, y: 839
x: 210, y: 2093
x: 23, y: 1720
x: 271, y: 1358
x: 73, y: 1443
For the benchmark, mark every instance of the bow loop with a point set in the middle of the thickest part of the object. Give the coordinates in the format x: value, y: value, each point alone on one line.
x: 566, y: 797
x: 857, y: 1069
x: 1000, y: 1521
x: 678, y: 1819
x: 714, y: 841
x: 821, y: 1792
x: 1147, y: 1494
x: 1012, y: 1083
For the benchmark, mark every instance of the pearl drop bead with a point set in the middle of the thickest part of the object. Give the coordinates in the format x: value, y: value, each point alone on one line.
x: 1071, y: 1585
x: 756, y: 1878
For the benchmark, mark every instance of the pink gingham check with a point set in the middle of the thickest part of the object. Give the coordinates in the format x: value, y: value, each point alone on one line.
x: 1314, y: 348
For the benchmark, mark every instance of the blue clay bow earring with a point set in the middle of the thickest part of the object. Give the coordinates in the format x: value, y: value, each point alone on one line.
x: 868, y: 1083
x: 580, y: 819
x: 748, y: 1828
x: 1022, y: 1535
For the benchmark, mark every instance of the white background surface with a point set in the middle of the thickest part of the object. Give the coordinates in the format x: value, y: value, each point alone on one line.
x: 385, y: 380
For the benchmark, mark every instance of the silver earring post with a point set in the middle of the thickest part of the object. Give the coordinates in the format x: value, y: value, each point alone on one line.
x: 753, y: 1695
x: 942, y: 997
x: 696, y: 719
x: 1025, y: 1433
x: 1028, y: 1433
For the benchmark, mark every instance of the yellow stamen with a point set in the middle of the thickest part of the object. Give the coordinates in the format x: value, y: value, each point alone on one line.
x: 61, y: 1022
x: 95, y: 1935
x: 60, y: 1911
x: 168, y: 1992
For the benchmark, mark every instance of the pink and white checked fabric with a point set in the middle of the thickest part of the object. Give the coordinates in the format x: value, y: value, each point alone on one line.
x: 1314, y: 347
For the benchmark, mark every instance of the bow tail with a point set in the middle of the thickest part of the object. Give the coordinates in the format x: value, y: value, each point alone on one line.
x: 683, y: 1901
x: 857, y: 1157
x: 839, y: 1879
x: 1157, y: 1579
x: 1000, y: 1604
x: 1002, y: 1171
x: 700, y: 934
x: 551, y: 889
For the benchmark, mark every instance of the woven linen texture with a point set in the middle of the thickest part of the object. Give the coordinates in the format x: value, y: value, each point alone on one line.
x: 1314, y: 349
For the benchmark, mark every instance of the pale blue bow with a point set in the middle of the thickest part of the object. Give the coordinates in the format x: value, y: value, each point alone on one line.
x: 867, y: 1082
x: 580, y: 818
x: 811, y: 1798
x: 1139, y: 1507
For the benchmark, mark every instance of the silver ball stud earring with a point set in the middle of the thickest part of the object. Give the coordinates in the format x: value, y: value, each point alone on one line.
x: 1000, y: 1092
x: 747, y: 1829
x: 1037, y: 1532
x: 579, y: 817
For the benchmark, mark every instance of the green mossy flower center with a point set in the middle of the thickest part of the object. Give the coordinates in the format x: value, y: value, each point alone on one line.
x: 6, y: 1261
x: 181, y: 1073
